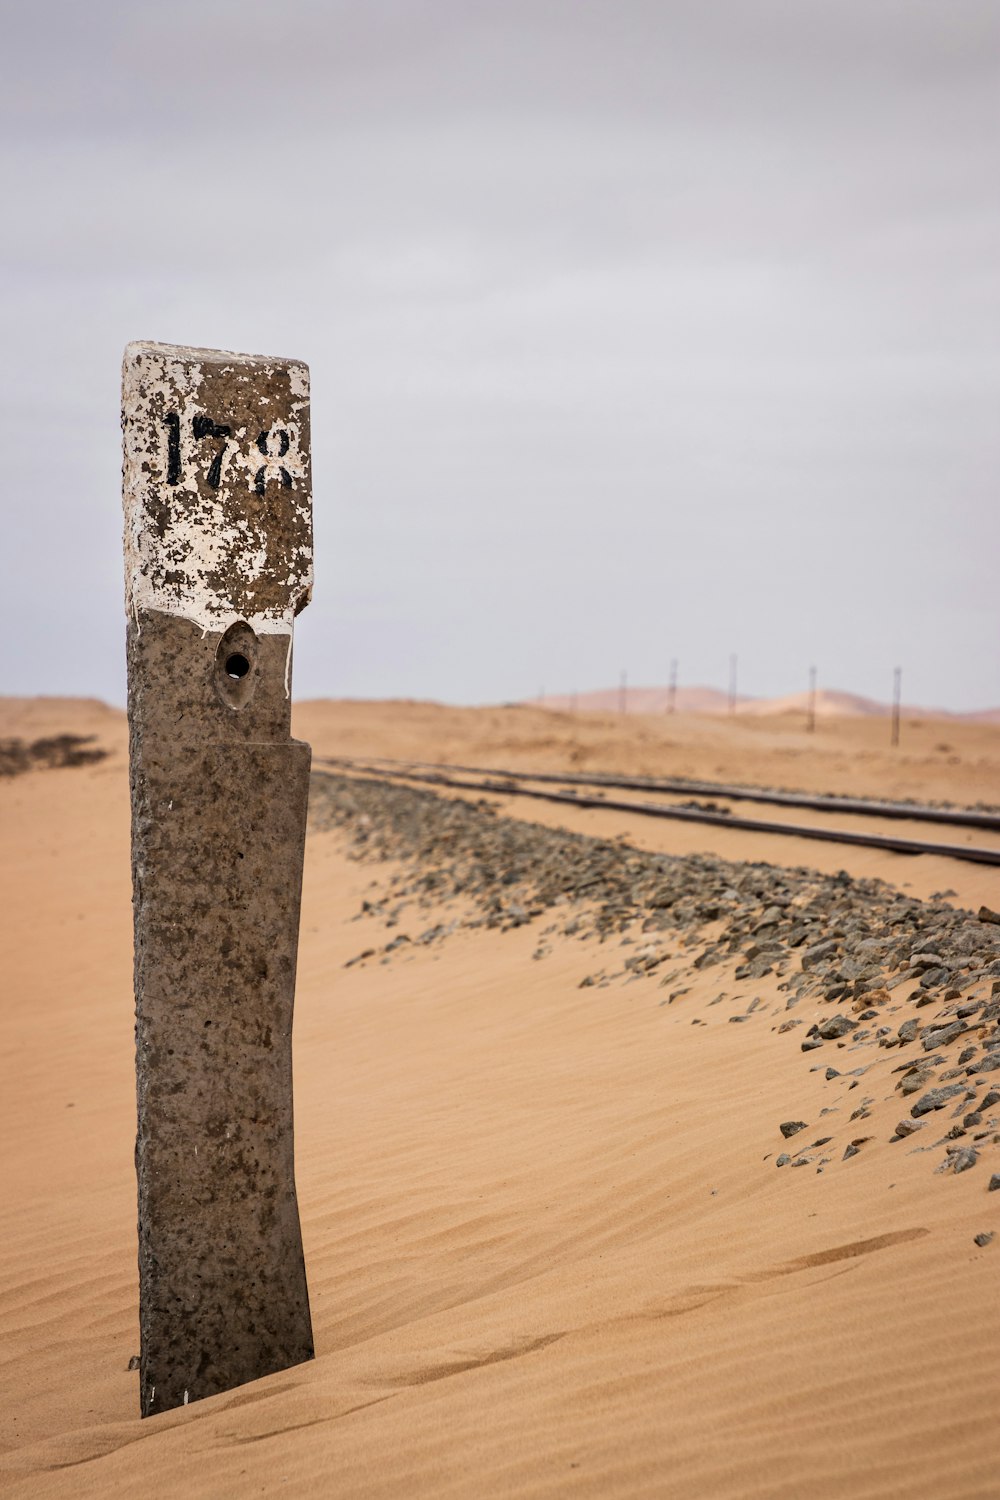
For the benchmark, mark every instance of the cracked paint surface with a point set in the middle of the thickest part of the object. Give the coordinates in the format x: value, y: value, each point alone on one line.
x: 222, y: 532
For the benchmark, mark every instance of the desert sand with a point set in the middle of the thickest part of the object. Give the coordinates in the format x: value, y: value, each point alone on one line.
x: 937, y: 760
x: 548, y: 1247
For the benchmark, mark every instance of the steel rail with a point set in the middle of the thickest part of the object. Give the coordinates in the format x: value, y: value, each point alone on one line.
x: 508, y: 788
x: 959, y: 817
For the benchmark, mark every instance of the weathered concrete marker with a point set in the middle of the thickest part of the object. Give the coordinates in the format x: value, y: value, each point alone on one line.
x: 218, y: 561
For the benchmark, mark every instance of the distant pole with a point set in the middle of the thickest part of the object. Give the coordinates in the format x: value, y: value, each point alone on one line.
x: 672, y: 688
x: 897, y: 682
x: 811, y: 725
x: 733, y: 665
x: 623, y: 694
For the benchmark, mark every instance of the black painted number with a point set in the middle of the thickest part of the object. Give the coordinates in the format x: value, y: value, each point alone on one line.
x: 173, y: 426
x: 204, y: 427
x: 272, y: 444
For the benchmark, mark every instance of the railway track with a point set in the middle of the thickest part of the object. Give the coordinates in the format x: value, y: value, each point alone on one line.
x: 513, y: 784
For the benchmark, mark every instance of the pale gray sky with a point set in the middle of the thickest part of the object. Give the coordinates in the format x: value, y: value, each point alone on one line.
x: 638, y: 329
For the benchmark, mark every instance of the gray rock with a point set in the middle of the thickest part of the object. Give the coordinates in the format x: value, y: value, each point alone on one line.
x: 908, y: 1031
x: 984, y: 1239
x: 773, y: 915
x: 988, y: 1063
x: 909, y: 1127
x: 814, y: 955
x: 836, y: 1026
x: 934, y: 977
x: 914, y: 1082
x: 935, y: 1099
x: 791, y: 1127
x: 959, y: 1159
x: 994, y: 1182
x: 941, y: 1036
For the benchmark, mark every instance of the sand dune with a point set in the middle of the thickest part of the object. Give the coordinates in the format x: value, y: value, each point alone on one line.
x: 829, y: 703
x: 639, y: 700
x: 30, y: 718
x: 548, y: 1247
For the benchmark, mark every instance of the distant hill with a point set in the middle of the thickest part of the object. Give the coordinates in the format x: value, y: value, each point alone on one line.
x: 643, y: 700
x: 830, y: 703
x: 29, y: 718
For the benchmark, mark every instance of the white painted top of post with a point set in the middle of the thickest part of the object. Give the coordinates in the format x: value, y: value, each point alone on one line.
x: 183, y: 537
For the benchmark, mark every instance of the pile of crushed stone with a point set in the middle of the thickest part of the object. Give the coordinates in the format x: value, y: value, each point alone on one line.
x: 49, y: 754
x: 866, y: 950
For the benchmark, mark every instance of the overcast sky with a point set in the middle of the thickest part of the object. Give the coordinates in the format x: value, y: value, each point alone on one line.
x: 638, y: 329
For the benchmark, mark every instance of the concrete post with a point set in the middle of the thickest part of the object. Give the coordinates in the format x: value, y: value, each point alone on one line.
x: 218, y: 561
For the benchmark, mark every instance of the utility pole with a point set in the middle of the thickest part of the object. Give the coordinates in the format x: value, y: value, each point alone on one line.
x: 897, y: 682
x: 811, y: 723
x: 623, y: 694
x: 733, y: 665
x: 218, y: 562
x: 672, y: 687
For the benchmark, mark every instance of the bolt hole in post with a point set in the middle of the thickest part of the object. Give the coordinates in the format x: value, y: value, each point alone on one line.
x: 235, y: 662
